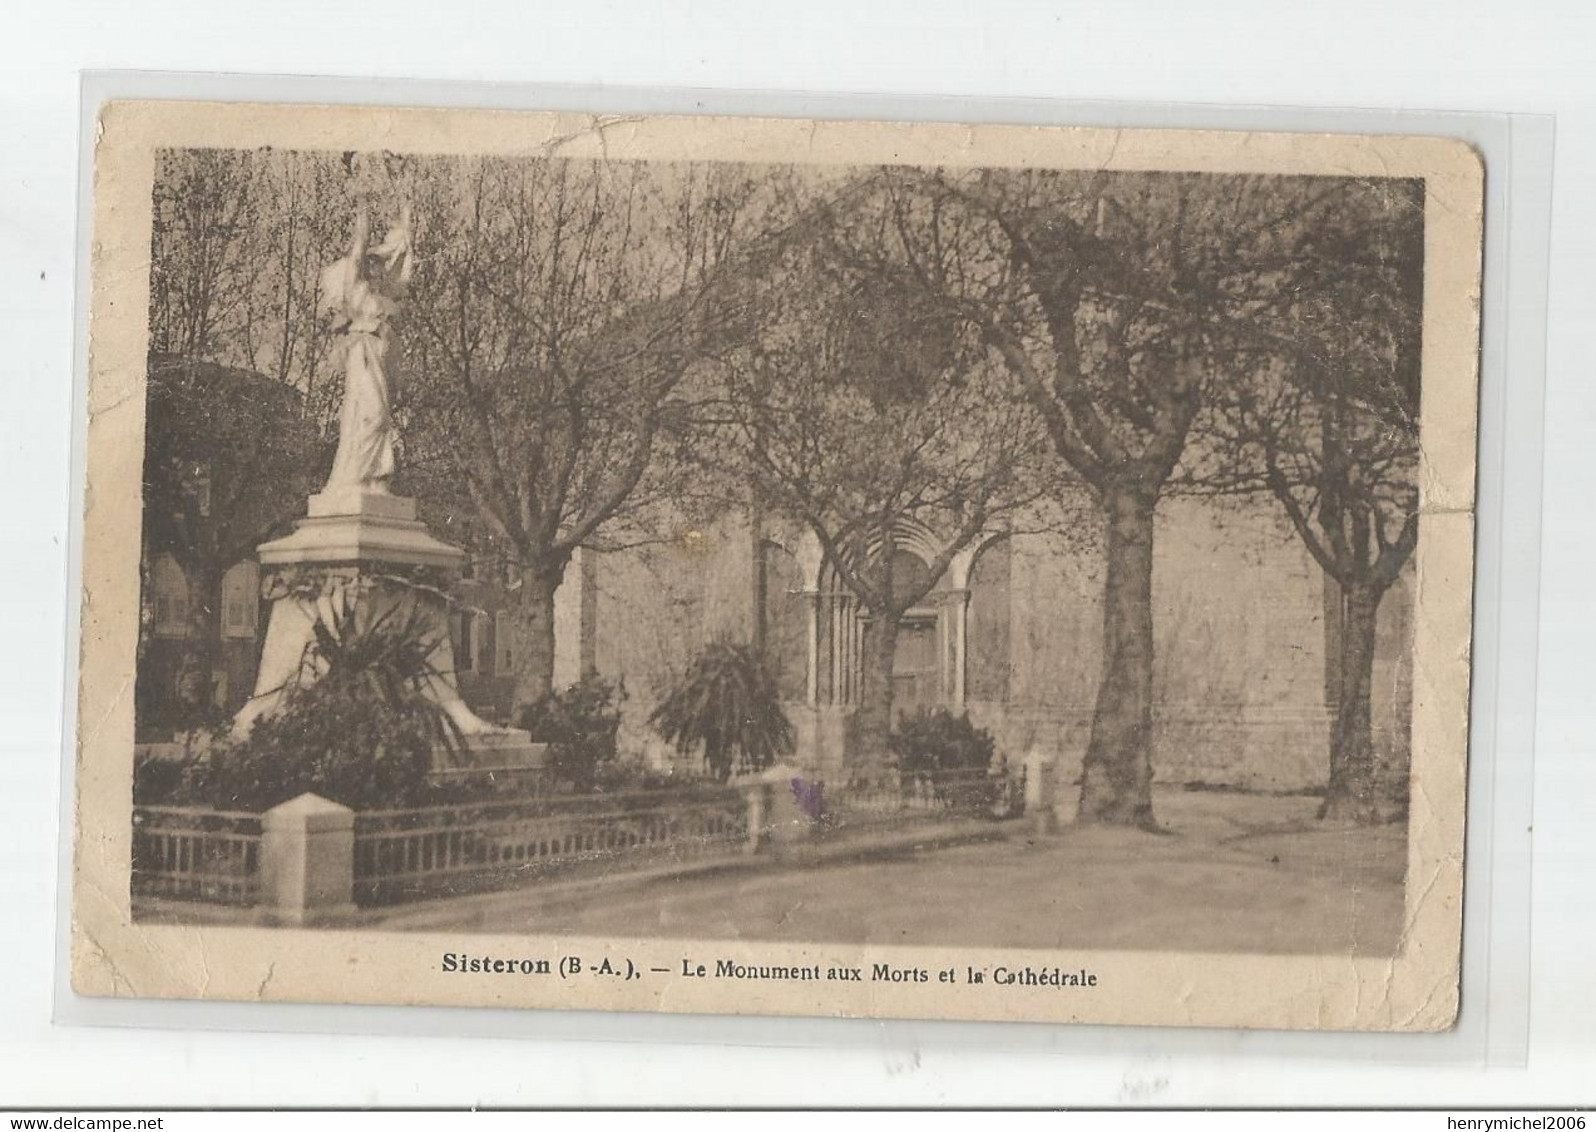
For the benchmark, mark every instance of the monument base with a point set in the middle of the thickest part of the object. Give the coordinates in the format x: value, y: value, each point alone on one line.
x: 360, y: 554
x: 510, y: 766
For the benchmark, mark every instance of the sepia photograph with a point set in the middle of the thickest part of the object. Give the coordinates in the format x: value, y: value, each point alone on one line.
x: 777, y: 567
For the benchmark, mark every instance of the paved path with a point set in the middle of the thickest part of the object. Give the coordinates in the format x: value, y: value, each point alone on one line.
x: 1236, y: 872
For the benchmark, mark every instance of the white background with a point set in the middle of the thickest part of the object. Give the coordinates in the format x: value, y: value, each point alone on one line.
x: 1459, y: 55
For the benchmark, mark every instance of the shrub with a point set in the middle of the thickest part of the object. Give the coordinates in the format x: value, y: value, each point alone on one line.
x: 950, y: 756
x: 365, y: 732
x: 161, y: 781
x: 580, y: 725
x: 173, y: 774
x: 728, y: 707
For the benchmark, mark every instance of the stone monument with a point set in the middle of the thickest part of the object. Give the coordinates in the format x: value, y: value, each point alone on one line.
x: 361, y: 549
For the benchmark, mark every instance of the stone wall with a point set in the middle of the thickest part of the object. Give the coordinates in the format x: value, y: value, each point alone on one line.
x: 1239, y: 639
x: 1239, y: 627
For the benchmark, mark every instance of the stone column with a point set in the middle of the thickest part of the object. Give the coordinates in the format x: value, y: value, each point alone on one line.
x: 849, y: 663
x: 838, y: 650
x: 856, y: 639
x: 307, y: 861
x: 959, y: 617
x: 812, y: 657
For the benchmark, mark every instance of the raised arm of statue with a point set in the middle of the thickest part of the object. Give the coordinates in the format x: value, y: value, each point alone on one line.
x: 395, y: 257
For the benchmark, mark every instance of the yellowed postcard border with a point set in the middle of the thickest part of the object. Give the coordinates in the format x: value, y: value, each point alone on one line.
x: 111, y: 955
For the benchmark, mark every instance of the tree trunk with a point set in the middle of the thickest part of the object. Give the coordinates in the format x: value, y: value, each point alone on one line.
x: 1350, y: 795
x: 1335, y: 611
x: 534, y: 635
x: 1117, y: 776
x: 873, y: 721
x: 759, y: 603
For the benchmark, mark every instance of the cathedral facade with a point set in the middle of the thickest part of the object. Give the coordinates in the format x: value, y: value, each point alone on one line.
x: 1010, y: 633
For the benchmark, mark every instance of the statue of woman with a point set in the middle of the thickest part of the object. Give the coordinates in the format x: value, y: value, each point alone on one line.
x: 363, y: 290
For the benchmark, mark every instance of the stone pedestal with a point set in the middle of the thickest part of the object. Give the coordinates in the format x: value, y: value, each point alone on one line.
x: 366, y: 553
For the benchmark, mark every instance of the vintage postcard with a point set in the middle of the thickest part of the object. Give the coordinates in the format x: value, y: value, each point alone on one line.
x: 777, y: 567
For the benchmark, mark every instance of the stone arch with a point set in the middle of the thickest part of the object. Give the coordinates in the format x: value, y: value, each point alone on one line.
x: 910, y: 536
x: 837, y: 623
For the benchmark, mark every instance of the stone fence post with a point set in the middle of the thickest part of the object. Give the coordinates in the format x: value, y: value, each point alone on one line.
x: 784, y: 810
x: 756, y: 795
x: 307, y: 861
x: 1041, y: 792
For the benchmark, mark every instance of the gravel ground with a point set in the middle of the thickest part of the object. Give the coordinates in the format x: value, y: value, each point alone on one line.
x: 1233, y: 872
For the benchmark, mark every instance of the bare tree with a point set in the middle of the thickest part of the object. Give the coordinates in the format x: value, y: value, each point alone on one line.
x: 1326, y: 421
x: 1068, y: 279
x: 301, y: 231
x: 862, y: 410
x: 1113, y: 300
x: 239, y: 239
x: 229, y: 451
x: 203, y: 221
x: 557, y: 306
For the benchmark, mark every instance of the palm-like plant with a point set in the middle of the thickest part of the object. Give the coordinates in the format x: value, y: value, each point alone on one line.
x: 386, y: 656
x: 362, y: 726
x: 728, y: 706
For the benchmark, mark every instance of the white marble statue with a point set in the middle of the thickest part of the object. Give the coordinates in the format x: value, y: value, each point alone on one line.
x: 363, y: 291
